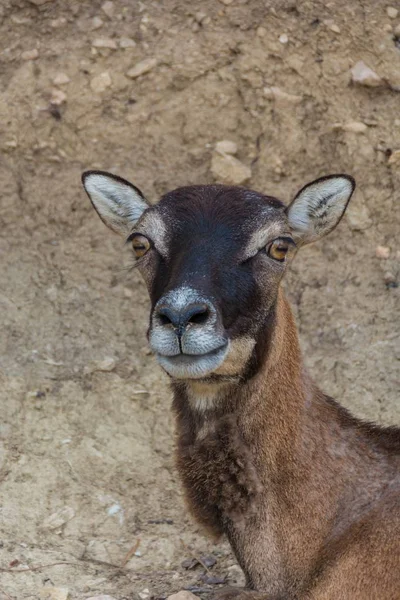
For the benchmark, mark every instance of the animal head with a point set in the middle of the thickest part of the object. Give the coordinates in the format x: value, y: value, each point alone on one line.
x: 213, y: 258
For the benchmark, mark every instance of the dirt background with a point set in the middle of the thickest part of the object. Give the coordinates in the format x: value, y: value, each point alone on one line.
x: 86, y: 464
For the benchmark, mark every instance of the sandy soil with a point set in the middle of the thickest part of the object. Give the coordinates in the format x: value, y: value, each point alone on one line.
x: 86, y: 465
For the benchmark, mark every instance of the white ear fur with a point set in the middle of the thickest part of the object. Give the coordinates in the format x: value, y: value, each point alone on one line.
x: 319, y: 206
x: 118, y: 203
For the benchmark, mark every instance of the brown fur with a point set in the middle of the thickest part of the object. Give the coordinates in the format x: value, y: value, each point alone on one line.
x: 306, y: 493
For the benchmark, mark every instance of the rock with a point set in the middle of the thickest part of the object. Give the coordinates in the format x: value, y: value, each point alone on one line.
x: 228, y: 169
x: 226, y: 147
x: 392, y: 12
x: 101, y: 597
x: 389, y: 278
x: 382, y: 252
x: 57, y: 23
x: 108, y: 9
x: 144, y: 594
x: 283, y: 38
x: 96, y: 23
x: 39, y: 2
x: 394, y: 158
x: 281, y: 97
x: 236, y: 575
x: 57, y: 97
x: 142, y: 68
x: 61, y: 79
x: 126, y: 42
x: 357, y: 214
x: 261, y: 32
x: 30, y: 54
x: 59, y: 518
x: 100, y: 83
x: 183, y: 595
x: 363, y: 75
x: 54, y: 593
x: 105, y: 43
x: 397, y: 30
x: 226, y: 2
x: 107, y: 364
x: 352, y: 126
x: 335, y: 28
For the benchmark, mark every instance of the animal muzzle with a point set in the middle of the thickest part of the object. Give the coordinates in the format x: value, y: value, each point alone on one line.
x: 187, y: 335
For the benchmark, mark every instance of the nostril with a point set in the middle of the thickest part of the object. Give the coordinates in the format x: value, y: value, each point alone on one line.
x: 166, y: 316
x: 199, y: 317
x: 164, y: 320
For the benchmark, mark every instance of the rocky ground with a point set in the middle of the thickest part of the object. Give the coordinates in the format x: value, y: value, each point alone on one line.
x: 90, y: 502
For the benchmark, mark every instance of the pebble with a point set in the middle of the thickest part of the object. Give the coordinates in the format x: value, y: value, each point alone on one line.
x: 126, y: 42
x: 61, y: 79
x: 283, y: 38
x: 54, y: 593
x: 363, y: 75
x: 39, y: 2
x: 281, y: 97
x: 100, y: 83
x: 228, y: 169
x: 335, y: 28
x: 101, y: 597
x: 144, y: 594
x: 226, y: 147
x: 382, y: 252
x: 108, y: 9
x: 58, y: 97
x: 235, y: 575
x: 354, y: 127
x: 30, y: 54
x: 226, y: 2
x: 57, y: 23
x: 261, y: 32
x: 96, y: 23
x: 107, y: 364
x: 105, y: 43
x: 394, y: 158
x: 397, y: 30
x: 142, y: 68
x: 183, y: 595
x: 389, y: 278
x: 392, y: 12
x: 59, y: 518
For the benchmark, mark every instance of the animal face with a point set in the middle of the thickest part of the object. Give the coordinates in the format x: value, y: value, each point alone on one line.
x: 212, y: 258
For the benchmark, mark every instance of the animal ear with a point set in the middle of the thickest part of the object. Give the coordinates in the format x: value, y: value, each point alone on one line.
x: 319, y: 206
x: 118, y: 203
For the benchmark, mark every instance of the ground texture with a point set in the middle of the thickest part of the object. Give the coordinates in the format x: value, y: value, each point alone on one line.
x: 87, y: 476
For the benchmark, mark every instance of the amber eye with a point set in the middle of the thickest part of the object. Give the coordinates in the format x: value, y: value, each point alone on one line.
x: 278, y: 249
x: 140, y: 245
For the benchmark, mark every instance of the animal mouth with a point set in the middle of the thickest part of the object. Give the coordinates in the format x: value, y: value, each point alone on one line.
x: 193, y: 366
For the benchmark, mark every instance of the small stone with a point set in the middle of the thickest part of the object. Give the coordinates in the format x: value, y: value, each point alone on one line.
x: 54, y: 593
x: 100, y: 83
x: 394, y: 158
x: 126, y: 42
x: 61, y: 79
x: 363, y: 75
x: 57, y: 97
x: 281, y: 97
x: 355, y: 127
x: 101, y: 597
x: 142, y: 68
x: 335, y: 28
x: 389, y: 278
x: 105, y: 43
x: 261, y: 32
x: 228, y: 169
x: 96, y: 23
x: 183, y: 595
x: 108, y: 9
x: 226, y: 147
x: 392, y: 12
x: 235, y: 575
x: 30, y: 54
x: 128, y: 293
x: 39, y: 2
x: 107, y: 364
x: 397, y: 30
x: 226, y: 2
x: 283, y: 38
x: 199, y: 17
x: 144, y: 594
x: 57, y: 23
x: 59, y: 518
x: 382, y: 252
x: 387, y: 27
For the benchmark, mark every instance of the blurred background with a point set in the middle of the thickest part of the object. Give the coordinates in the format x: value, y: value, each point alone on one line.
x: 148, y: 90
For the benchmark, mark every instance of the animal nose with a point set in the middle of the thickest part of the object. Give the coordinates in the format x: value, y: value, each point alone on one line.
x: 194, y: 313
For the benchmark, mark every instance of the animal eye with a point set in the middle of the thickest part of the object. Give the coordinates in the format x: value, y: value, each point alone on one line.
x: 140, y: 245
x: 278, y: 249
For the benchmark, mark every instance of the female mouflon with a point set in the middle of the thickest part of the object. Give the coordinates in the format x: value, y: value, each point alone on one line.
x: 307, y: 495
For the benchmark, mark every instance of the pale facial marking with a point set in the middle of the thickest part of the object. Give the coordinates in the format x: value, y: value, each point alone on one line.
x: 262, y: 237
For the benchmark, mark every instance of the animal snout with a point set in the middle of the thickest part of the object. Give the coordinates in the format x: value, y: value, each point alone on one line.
x: 179, y: 318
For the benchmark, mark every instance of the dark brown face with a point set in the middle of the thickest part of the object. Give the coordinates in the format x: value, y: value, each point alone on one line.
x: 213, y: 258
x: 213, y: 262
